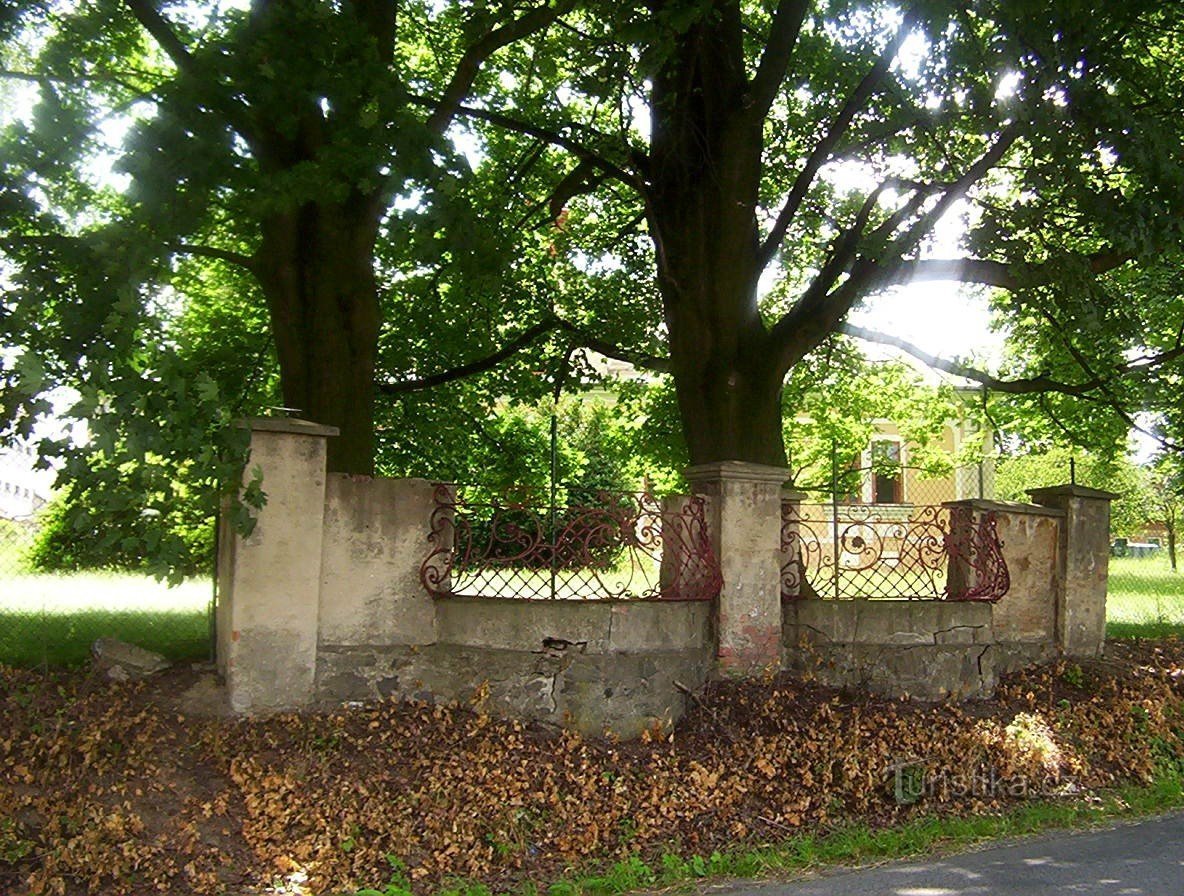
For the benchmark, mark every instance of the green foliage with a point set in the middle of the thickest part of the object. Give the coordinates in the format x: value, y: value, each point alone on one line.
x: 398, y: 884
x: 832, y: 406
x: 147, y: 193
x: 1129, y: 513
x: 79, y: 531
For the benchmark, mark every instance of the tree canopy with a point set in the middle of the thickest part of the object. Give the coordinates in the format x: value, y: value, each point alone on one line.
x: 333, y: 207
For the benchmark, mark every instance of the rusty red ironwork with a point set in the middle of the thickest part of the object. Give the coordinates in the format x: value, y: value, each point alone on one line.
x: 518, y: 543
x: 978, y: 570
x: 890, y: 551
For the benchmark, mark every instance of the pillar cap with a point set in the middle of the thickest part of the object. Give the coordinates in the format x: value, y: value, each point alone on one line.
x: 736, y: 471
x: 1070, y: 491
x: 991, y: 505
x: 287, y: 424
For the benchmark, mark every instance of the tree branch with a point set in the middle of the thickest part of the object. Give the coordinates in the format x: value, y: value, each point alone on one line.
x: 522, y: 341
x: 555, y: 138
x: 1021, y: 386
x: 519, y: 343
x: 230, y: 257
x: 823, y: 148
x: 820, y: 311
x: 995, y: 273
x: 584, y: 339
x: 470, y: 63
x: 42, y: 78
x: 1039, y: 385
x: 956, y: 190
x: 779, y: 47
x: 162, y: 32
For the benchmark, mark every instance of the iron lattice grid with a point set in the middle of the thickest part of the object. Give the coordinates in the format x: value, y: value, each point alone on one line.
x: 571, y: 544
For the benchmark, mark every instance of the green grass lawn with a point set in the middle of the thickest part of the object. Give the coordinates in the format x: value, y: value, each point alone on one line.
x: 54, y: 618
x: 1145, y: 598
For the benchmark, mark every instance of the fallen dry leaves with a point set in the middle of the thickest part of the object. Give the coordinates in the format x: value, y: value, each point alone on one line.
x: 106, y: 789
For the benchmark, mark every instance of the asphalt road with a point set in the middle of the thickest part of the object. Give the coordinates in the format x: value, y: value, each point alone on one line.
x: 1133, y: 860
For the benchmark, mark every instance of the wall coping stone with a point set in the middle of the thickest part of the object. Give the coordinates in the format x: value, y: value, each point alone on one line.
x: 1071, y: 491
x: 792, y: 494
x: 1006, y: 507
x: 287, y: 424
x: 736, y: 471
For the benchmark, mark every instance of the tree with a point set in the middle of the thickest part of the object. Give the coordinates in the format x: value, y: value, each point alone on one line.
x: 274, y: 141
x: 1053, y: 124
x: 1036, y: 466
x: 1166, y: 502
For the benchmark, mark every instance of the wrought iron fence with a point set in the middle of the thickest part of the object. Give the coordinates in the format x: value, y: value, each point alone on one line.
x: 568, y: 544
x: 851, y: 547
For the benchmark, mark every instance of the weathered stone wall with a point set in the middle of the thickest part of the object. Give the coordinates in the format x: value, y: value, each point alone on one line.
x: 374, y: 543
x: 935, y: 649
x: 597, y: 666
x: 925, y: 649
x: 1024, y: 620
x: 323, y: 601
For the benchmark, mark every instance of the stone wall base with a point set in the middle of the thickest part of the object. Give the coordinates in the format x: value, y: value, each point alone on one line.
x: 926, y: 650
x: 619, y: 693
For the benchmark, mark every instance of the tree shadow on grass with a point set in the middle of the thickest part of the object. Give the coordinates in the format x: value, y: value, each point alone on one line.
x: 64, y: 639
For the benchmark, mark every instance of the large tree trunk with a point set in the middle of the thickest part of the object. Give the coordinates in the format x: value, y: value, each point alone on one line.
x: 315, y: 260
x: 316, y: 266
x: 705, y: 168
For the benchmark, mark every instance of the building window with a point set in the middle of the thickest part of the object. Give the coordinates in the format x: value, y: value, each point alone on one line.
x: 887, y: 481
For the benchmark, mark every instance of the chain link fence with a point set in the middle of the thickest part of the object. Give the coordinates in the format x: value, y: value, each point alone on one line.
x: 1146, y: 587
x: 53, y: 618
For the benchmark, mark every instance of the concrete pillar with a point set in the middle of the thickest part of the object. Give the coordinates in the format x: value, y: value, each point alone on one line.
x: 1080, y: 615
x: 269, y: 581
x: 745, y: 525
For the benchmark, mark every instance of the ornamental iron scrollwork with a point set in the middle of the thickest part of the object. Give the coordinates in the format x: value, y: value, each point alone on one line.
x: 518, y: 543
x: 978, y: 570
x: 845, y: 551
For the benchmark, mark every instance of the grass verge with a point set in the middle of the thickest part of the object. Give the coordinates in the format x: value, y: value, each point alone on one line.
x: 1145, y: 600
x: 846, y: 845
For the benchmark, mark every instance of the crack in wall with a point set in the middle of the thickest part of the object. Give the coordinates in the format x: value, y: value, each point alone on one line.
x: 982, y: 677
x: 813, y: 629
x: 954, y: 628
x: 552, y: 699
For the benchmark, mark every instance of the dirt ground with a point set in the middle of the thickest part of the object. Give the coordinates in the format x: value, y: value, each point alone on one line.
x: 146, y: 787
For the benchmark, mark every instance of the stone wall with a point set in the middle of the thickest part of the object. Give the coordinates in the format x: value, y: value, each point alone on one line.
x: 323, y: 602
x: 1056, y: 554
x: 620, y: 666
x: 1024, y: 621
x: 923, y: 648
